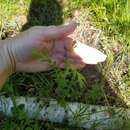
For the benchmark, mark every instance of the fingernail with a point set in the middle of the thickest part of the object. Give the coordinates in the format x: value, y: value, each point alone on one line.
x: 72, y: 22
x: 77, y: 57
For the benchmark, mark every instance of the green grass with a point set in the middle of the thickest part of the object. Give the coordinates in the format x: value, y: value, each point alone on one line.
x: 12, y: 8
x: 111, y: 16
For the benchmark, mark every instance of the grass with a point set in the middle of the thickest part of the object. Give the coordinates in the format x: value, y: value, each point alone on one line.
x: 111, y: 16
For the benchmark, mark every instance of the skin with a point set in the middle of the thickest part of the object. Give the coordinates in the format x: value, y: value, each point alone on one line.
x: 16, y: 52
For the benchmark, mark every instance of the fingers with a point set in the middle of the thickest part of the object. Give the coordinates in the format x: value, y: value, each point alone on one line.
x: 64, y: 51
x: 34, y: 66
x: 76, y: 64
x: 76, y: 61
x: 69, y: 50
x: 57, y: 32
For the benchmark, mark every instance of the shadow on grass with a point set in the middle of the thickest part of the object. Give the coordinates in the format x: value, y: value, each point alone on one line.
x: 44, y: 12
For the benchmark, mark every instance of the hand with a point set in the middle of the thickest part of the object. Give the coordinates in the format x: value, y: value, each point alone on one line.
x: 52, y: 39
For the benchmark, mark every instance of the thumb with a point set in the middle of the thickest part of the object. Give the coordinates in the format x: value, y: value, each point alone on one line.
x: 57, y: 32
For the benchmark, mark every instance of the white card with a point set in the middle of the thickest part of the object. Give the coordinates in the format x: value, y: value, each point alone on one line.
x: 89, y: 54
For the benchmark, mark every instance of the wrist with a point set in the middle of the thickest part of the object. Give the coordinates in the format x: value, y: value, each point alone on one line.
x: 7, y: 61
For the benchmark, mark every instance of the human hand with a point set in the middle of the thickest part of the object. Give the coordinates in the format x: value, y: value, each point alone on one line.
x: 52, y: 39
x: 16, y: 54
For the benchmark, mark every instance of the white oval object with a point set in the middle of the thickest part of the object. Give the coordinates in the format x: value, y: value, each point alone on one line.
x: 89, y: 54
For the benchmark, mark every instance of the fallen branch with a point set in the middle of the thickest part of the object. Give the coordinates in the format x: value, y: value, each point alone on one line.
x: 76, y: 114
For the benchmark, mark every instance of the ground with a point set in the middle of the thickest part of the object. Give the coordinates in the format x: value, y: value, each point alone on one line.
x: 103, y: 24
